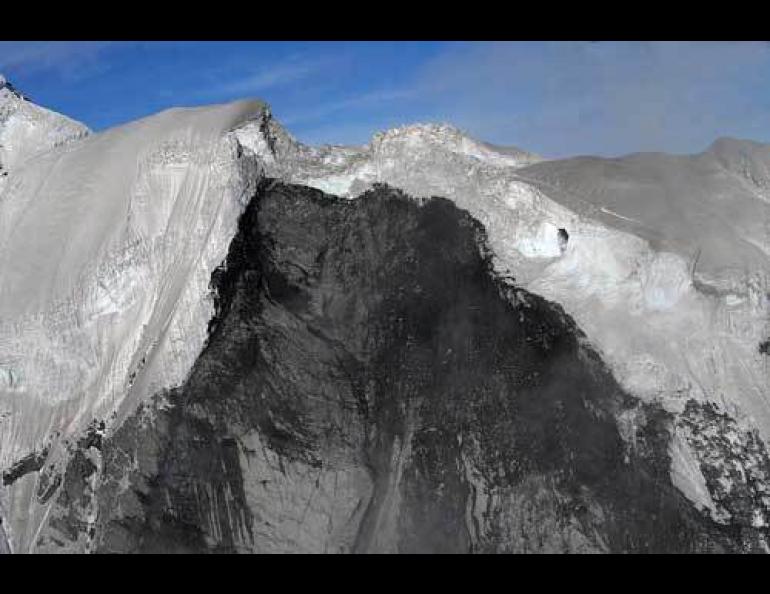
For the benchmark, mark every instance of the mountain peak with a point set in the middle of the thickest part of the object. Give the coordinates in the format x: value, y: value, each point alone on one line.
x: 455, y: 140
x: 724, y: 143
x: 5, y: 85
x: 424, y: 131
x: 27, y: 129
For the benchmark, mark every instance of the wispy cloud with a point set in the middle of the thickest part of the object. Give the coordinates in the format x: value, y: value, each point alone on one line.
x: 379, y: 98
x: 553, y: 98
x: 564, y: 98
x: 289, y: 71
x: 271, y: 77
x: 70, y: 60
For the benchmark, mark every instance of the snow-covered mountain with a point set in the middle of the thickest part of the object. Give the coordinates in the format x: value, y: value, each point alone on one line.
x: 359, y: 377
x: 107, y: 248
x: 26, y: 129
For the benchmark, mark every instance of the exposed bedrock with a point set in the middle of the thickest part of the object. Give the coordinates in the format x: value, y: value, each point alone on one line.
x: 370, y: 385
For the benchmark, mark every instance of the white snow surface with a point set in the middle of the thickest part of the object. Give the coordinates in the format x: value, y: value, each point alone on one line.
x: 107, y: 247
x: 27, y: 130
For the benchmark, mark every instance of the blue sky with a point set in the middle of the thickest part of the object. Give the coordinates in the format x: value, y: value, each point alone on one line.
x: 554, y: 98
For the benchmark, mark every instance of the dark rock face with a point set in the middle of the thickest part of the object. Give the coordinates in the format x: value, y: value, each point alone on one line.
x: 370, y: 385
x: 30, y: 463
x: 735, y: 465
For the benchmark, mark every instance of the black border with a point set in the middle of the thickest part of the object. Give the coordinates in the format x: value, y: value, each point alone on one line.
x: 345, y: 20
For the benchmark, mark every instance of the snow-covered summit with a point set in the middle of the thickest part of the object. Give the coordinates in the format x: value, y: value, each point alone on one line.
x: 747, y: 158
x: 449, y: 138
x: 4, y: 84
x: 27, y: 129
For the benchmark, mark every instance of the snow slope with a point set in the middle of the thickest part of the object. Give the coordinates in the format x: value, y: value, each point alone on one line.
x: 715, y: 204
x: 685, y: 310
x: 106, y: 252
x: 27, y: 129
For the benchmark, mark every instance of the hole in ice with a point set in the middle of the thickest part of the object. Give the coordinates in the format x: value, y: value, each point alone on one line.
x: 563, y: 239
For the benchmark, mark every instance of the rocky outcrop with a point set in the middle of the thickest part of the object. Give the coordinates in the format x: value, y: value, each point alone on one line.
x: 734, y: 463
x: 370, y: 385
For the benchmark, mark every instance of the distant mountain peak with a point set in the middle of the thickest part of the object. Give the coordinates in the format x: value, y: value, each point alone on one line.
x: 5, y: 85
x: 455, y: 140
x: 430, y: 132
x: 28, y: 129
x: 731, y: 145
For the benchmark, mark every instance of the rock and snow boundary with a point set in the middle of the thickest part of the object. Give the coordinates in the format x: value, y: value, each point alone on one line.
x: 108, y: 242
